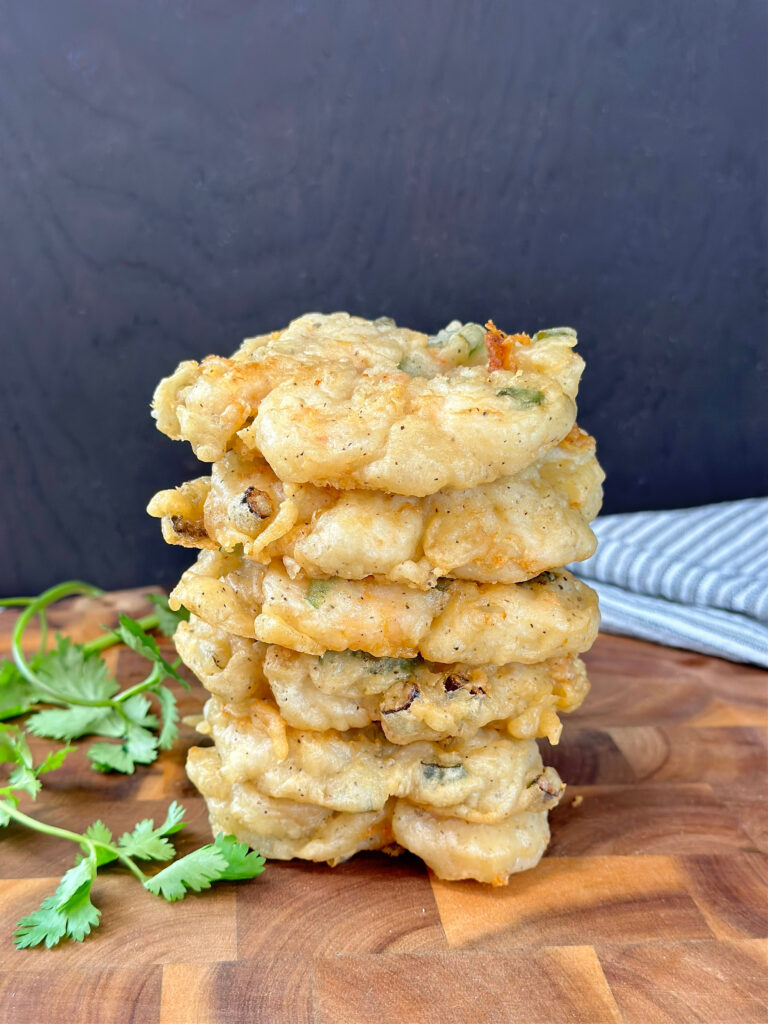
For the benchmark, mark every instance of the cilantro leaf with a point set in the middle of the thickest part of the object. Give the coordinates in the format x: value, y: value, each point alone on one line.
x: 110, y: 757
x: 223, y: 860
x: 14, y: 747
x: 46, y: 925
x: 67, y: 723
x: 17, y: 696
x: 240, y: 862
x: 141, y: 745
x: 99, y: 833
x: 68, y: 912
x: 174, y: 819
x: 73, y: 880
x: 54, y: 760
x: 81, y: 916
x: 24, y: 778
x: 149, y: 843
x: 167, y: 619
x: 137, y: 708
x: 194, y: 872
x: 170, y: 713
x: 112, y: 725
x: 132, y: 635
x: 71, y: 672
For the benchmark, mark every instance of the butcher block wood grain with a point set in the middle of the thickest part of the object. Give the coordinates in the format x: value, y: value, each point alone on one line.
x: 649, y: 907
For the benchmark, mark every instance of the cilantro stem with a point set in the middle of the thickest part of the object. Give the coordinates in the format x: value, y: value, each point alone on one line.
x: 36, y: 606
x: 19, y: 602
x: 154, y: 677
x: 40, y: 826
x: 43, y: 631
x: 101, y: 643
x: 73, y: 837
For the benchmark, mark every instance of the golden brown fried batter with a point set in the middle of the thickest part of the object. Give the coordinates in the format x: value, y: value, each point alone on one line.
x: 456, y: 849
x: 502, y: 532
x: 282, y: 829
x: 550, y: 616
x: 483, y: 779
x: 342, y: 401
x: 412, y: 699
x: 377, y: 608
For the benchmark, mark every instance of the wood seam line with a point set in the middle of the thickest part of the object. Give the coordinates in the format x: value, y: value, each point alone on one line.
x: 710, y: 919
x: 591, y: 951
x: 436, y: 904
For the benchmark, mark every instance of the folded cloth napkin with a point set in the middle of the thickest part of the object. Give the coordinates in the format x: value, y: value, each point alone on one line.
x: 694, y: 578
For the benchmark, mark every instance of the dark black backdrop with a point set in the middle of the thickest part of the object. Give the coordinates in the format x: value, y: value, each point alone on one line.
x: 177, y: 175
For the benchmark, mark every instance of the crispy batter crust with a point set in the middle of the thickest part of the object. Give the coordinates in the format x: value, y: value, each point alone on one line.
x: 377, y: 608
x: 482, y: 779
x: 550, y: 616
x: 341, y: 401
x: 502, y: 532
x: 282, y: 829
x: 410, y: 698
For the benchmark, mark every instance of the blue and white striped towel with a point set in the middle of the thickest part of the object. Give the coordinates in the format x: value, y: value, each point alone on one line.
x: 694, y: 578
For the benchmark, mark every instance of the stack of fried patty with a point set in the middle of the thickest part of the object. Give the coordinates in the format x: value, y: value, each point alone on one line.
x: 377, y: 608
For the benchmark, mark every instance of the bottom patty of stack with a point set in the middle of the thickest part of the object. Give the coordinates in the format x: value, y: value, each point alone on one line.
x: 452, y: 847
x: 471, y: 808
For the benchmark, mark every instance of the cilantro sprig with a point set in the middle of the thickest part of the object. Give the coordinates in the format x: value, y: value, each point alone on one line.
x: 68, y: 692
x: 70, y: 913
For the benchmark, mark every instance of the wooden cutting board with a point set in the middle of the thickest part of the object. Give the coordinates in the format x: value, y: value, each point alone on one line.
x: 649, y: 907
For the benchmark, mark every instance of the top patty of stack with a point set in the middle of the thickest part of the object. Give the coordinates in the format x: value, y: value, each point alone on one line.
x: 341, y: 401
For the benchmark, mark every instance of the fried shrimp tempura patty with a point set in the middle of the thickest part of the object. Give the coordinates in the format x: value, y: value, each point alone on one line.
x: 410, y: 698
x: 482, y: 779
x: 501, y: 532
x: 456, y: 849
x: 550, y: 616
x: 282, y: 829
x: 337, y: 400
